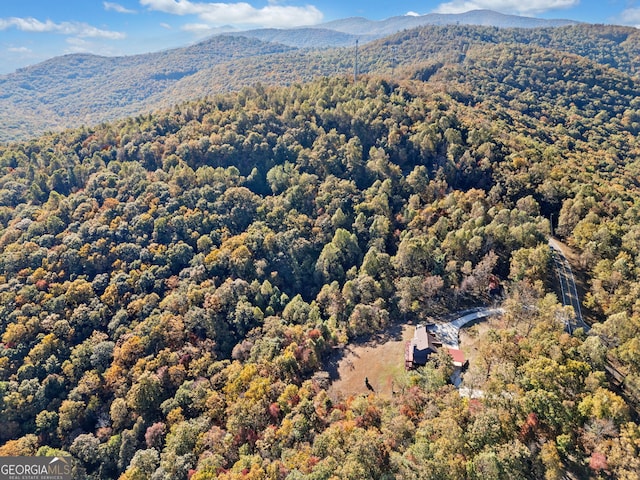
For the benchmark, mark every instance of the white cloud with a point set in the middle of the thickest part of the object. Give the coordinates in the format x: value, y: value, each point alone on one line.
x: 19, y: 50
x: 116, y: 7
x: 241, y: 13
x: 34, y: 25
x: 412, y: 14
x: 78, y: 44
x: 629, y: 16
x: 83, y: 45
x: 197, y: 27
x: 166, y: 26
x: 505, y: 6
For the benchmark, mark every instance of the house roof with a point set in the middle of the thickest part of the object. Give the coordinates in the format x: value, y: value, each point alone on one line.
x: 458, y: 356
x: 422, y: 339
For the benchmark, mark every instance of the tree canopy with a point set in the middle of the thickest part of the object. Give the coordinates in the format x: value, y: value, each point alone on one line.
x: 171, y: 284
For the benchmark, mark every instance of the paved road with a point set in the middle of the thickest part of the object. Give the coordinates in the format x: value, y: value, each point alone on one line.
x: 568, y: 287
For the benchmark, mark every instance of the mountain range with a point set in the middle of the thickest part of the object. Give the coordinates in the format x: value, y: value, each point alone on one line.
x: 487, y: 18
x: 346, y: 31
x: 79, y: 89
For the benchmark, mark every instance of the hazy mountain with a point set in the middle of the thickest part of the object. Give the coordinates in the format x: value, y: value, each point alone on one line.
x: 306, y: 37
x: 345, y: 32
x: 362, y: 26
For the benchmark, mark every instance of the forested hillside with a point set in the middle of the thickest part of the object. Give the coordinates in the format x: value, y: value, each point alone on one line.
x: 81, y: 89
x: 85, y: 89
x: 171, y: 284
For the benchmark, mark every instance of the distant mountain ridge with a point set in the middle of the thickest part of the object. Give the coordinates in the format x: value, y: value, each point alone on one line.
x: 344, y: 32
x: 84, y: 89
x: 310, y: 37
x: 487, y: 18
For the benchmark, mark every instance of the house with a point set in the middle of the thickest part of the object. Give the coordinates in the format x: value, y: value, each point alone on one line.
x: 418, y: 349
x: 423, y: 344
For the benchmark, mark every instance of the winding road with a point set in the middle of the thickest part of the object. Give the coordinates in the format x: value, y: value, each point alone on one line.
x: 448, y: 333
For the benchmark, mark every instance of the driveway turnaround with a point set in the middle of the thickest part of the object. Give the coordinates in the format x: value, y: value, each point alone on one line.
x: 448, y: 333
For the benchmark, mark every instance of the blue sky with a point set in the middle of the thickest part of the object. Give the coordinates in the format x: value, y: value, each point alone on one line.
x: 34, y: 30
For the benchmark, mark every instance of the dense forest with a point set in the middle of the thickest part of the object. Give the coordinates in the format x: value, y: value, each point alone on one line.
x: 172, y: 284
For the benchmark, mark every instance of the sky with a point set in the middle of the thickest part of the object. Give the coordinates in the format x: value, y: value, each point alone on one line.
x: 32, y: 31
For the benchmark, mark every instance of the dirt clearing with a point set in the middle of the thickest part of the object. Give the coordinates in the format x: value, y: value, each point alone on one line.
x: 379, y: 358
